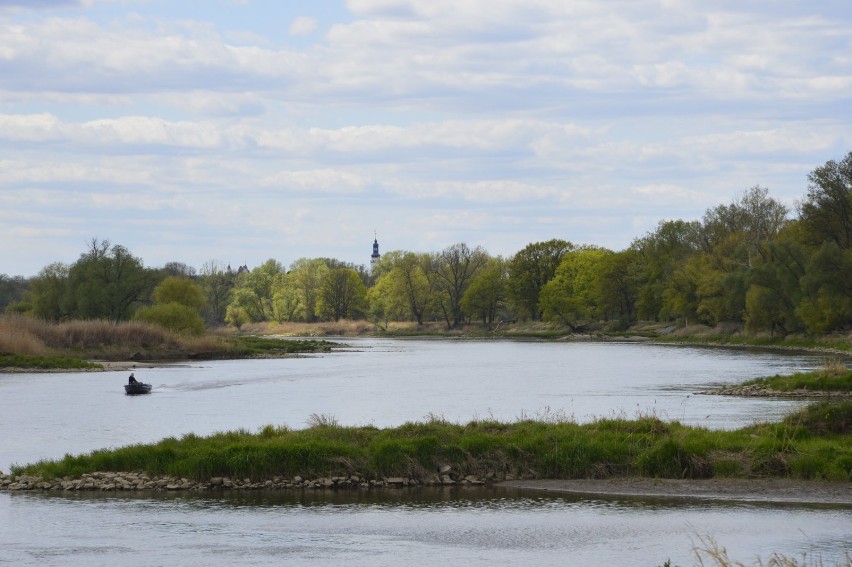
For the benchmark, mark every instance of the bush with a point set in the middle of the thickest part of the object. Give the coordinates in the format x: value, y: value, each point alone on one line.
x: 172, y: 316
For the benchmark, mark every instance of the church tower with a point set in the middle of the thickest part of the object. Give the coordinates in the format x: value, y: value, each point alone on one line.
x: 375, y: 256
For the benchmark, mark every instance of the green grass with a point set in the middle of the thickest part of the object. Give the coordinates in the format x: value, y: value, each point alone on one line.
x: 791, y: 343
x: 45, y: 362
x: 823, y: 380
x: 250, y: 345
x: 815, y: 443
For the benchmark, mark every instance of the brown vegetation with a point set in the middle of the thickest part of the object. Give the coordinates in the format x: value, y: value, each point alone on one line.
x: 96, y: 339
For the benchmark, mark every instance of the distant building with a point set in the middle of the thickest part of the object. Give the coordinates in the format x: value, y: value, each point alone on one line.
x: 375, y: 256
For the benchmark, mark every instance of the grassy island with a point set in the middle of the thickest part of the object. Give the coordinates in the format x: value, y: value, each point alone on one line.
x: 834, y: 381
x: 815, y: 443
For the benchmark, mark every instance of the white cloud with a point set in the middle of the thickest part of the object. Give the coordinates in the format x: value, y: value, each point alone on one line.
x: 303, y: 26
x: 433, y: 122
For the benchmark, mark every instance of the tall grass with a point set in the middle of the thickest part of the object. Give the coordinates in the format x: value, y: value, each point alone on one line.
x: 814, y: 443
x: 81, y: 335
x: 108, y: 340
x: 834, y: 376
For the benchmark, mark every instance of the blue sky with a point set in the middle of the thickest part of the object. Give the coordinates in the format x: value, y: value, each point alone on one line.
x: 242, y: 130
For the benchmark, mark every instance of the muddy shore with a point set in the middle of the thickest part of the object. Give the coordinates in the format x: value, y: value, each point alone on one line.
x: 776, y: 490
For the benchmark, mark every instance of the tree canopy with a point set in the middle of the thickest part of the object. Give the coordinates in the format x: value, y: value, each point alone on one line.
x: 749, y: 262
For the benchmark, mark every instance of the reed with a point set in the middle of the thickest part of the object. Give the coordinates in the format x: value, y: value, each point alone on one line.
x: 107, y: 340
x: 811, y: 444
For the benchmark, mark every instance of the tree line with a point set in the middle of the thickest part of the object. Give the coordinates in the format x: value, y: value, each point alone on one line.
x: 750, y: 262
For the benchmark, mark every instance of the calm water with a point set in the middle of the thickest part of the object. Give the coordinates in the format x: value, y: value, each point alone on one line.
x: 386, y: 383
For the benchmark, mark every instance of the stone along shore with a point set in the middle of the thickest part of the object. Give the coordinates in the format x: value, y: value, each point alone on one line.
x: 123, y: 481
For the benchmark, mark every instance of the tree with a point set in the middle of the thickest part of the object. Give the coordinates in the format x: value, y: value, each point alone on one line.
x: 756, y: 217
x: 451, y: 273
x: 173, y: 316
x: 827, y: 290
x: 826, y: 211
x: 342, y: 295
x: 529, y: 271
x: 410, y: 282
x: 253, y: 291
x: 217, y: 283
x: 402, y: 290
x: 12, y: 290
x: 307, y: 279
x: 661, y: 252
x: 177, y: 306
x: 179, y: 289
x: 179, y: 269
x: 48, y: 291
x: 488, y: 291
x: 384, y: 303
x: 107, y: 282
x: 619, y: 285
x: 774, y: 291
x: 286, y: 299
x: 573, y: 295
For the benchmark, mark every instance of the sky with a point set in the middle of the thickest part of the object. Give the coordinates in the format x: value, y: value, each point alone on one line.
x: 237, y: 131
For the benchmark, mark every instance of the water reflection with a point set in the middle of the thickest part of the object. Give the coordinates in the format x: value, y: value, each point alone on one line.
x: 489, y: 526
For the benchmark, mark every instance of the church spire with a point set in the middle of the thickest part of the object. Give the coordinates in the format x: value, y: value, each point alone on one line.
x: 375, y: 256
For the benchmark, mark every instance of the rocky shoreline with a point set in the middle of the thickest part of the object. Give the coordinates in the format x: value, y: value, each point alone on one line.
x: 781, y: 490
x: 141, y: 482
x: 758, y: 391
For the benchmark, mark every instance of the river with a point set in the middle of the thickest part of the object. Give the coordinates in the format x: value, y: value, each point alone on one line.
x: 386, y: 383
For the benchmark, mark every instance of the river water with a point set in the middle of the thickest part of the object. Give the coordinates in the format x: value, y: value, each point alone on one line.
x: 386, y: 383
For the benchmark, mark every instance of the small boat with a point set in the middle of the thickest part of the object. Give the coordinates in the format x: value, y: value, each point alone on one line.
x: 137, y: 388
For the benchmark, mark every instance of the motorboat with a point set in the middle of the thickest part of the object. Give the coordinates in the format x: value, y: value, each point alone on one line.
x: 136, y: 388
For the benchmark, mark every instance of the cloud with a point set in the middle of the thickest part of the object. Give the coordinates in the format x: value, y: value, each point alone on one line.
x: 433, y: 122
x: 303, y: 26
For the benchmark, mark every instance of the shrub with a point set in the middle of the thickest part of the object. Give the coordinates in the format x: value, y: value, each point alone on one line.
x: 172, y: 316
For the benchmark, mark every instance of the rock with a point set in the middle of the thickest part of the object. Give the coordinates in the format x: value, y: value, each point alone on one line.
x: 445, y: 469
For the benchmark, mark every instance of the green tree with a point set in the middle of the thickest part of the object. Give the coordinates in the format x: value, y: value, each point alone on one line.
x: 487, y: 294
x: 180, y: 289
x: 661, y: 252
x: 573, y: 295
x: 529, y: 271
x: 217, y: 283
x: 384, y: 303
x: 287, y: 300
x: 47, y: 293
x: 826, y: 211
x: 177, y: 306
x: 107, y: 282
x: 451, y: 272
x: 827, y: 289
x: 12, y: 290
x: 774, y: 291
x: 619, y: 282
x: 411, y: 283
x: 307, y: 279
x: 402, y: 290
x: 173, y: 316
x: 342, y: 294
x: 253, y: 291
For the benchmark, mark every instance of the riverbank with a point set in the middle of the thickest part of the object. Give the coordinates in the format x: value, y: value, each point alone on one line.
x: 774, y: 490
x: 764, y: 490
x: 832, y: 382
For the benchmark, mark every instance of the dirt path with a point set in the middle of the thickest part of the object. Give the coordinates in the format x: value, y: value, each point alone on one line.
x: 744, y: 490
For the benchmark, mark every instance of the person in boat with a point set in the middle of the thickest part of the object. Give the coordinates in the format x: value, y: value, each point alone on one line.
x: 132, y: 379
